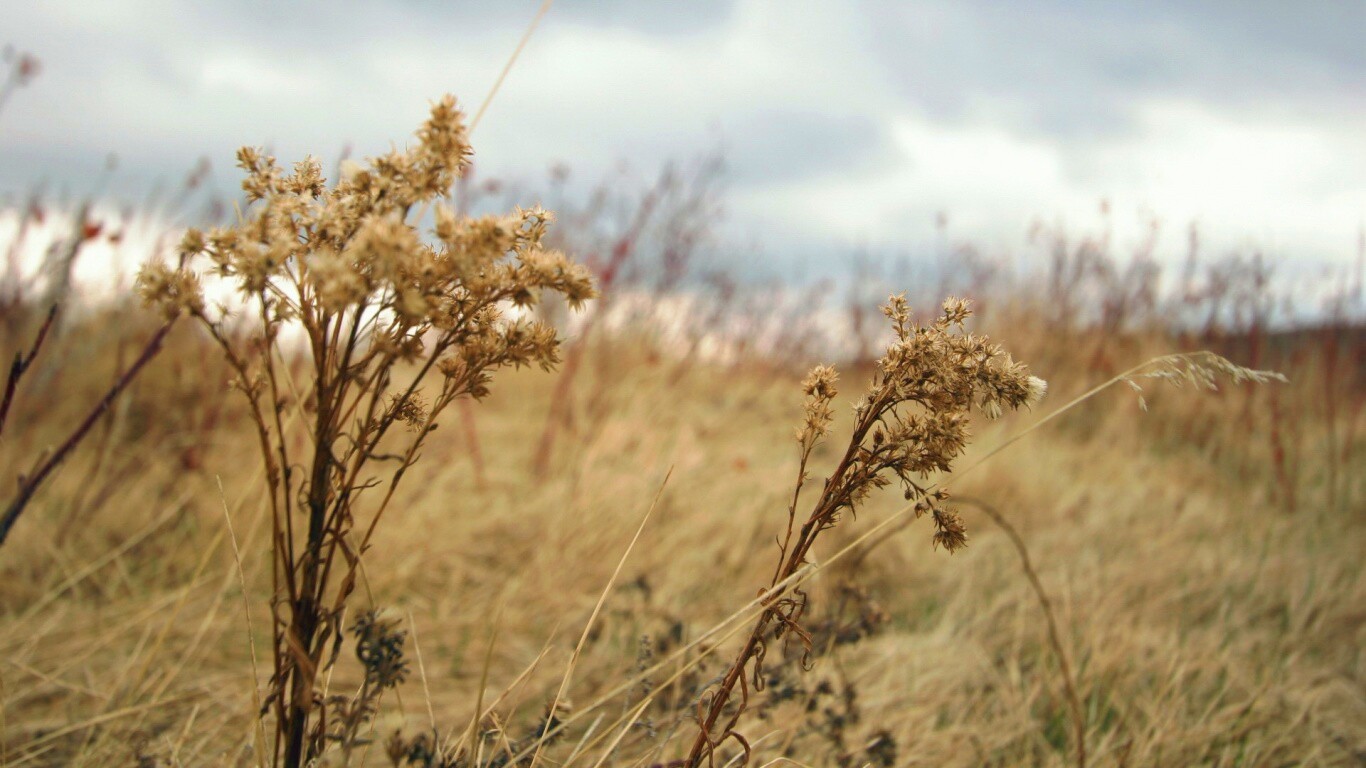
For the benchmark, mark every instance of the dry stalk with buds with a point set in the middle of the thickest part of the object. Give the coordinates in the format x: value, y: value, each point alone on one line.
x: 910, y: 424
x: 378, y: 312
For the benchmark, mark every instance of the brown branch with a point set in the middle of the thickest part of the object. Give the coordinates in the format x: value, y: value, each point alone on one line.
x: 836, y: 490
x: 21, y: 364
x: 28, y: 483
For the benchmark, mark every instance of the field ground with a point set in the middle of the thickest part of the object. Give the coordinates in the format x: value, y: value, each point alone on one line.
x: 1204, y: 561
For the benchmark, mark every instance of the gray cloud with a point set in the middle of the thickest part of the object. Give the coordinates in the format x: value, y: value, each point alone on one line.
x: 840, y: 122
x: 1077, y: 70
x: 781, y: 146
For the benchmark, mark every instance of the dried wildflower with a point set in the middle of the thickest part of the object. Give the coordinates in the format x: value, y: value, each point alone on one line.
x: 350, y: 722
x: 348, y: 267
x: 174, y: 291
x: 263, y: 175
x: 192, y: 242
x: 409, y: 409
x: 911, y: 423
x: 948, y: 530
x: 820, y: 390
x: 379, y: 647
x: 820, y: 383
x: 336, y: 279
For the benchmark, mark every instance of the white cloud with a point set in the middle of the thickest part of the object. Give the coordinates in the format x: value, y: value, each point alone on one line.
x: 848, y: 124
x: 235, y: 73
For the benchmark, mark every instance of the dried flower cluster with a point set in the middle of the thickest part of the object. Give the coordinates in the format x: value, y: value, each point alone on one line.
x: 910, y: 424
x: 945, y: 372
x: 379, y: 649
x: 382, y: 310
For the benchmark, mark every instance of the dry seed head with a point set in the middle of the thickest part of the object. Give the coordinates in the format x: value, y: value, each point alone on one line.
x: 1038, y: 388
x: 391, y: 726
x: 192, y: 243
x: 949, y: 532
x: 263, y: 175
x: 820, y: 390
x: 991, y: 408
x: 915, y: 414
x: 411, y: 410
x: 1201, y: 370
x: 820, y: 383
x: 379, y: 647
x: 174, y: 291
x: 350, y: 246
x: 956, y: 310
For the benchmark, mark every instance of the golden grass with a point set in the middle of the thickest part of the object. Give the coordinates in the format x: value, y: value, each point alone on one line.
x: 1204, y: 623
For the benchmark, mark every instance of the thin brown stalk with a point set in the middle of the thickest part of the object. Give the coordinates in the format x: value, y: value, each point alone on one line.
x: 911, y: 422
x: 30, y: 482
x: 512, y: 60
x: 21, y: 364
x: 1054, y: 636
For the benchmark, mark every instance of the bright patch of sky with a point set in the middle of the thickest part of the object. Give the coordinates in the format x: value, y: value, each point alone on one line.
x: 844, y: 126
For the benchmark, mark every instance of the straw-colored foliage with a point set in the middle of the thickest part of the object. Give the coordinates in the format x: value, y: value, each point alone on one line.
x: 227, y: 570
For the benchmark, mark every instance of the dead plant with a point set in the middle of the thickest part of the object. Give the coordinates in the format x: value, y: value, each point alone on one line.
x: 342, y: 276
x: 911, y: 423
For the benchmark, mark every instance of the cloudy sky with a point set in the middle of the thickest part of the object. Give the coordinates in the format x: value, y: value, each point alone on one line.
x: 843, y: 125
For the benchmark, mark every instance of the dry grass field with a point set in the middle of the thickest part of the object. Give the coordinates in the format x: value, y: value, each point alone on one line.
x: 1205, y: 621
